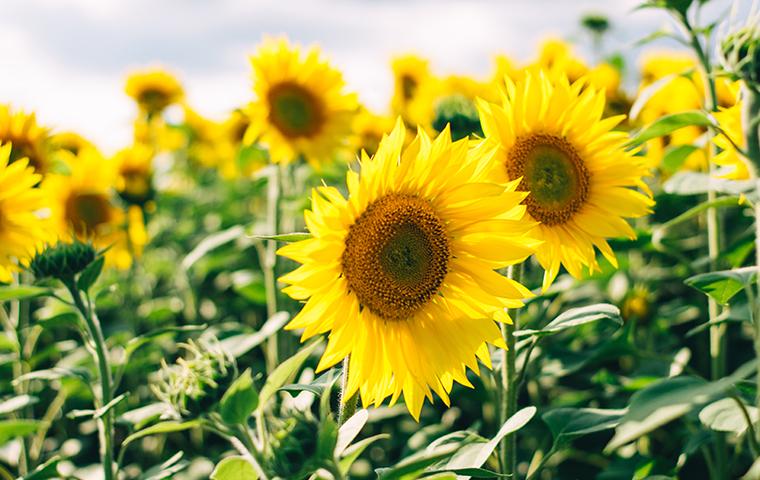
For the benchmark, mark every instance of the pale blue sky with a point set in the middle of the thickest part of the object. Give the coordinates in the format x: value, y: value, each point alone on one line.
x: 66, y: 59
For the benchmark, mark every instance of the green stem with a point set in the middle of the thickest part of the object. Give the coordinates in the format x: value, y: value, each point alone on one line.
x: 508, y: 407
x: 347, y: 406
x: 95, y: 334
x: 270, y: 262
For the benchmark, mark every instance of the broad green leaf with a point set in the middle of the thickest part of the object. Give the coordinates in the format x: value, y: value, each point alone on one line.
x: 476, y: 454
x: 20, y: 292
x: 669, y: 399
x: 349, y: 430
x: 575, y: 317
x: 317, y: 387
x: 239, y: 345
x: 413, y: 466
x: 16, y: 403
x: 668, y: 124
x: 234, y: 468
x: 725, y: 415
x: 284, y: 373
x: 675, y: 156
x: 697, y: 183
x: 46, y: 471
x: 285, y: 237
x: 90, y: 274
x: 354, y: 451
x: 10, y: 429
x: 723, y: 285
x: 210, y: 243
x: 240, y: 400
x: 159, y: 428
x: 567, y: 424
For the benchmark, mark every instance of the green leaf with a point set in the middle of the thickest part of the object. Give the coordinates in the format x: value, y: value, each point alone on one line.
x: 159, y: 428
x: 20, y: 292
x: 476, y: 454
x: 285, y: 237
x: 697, y: 183
x: 210, y: 243
x: 723, y: 285
x: 16, y: 403
x: 675, y: 156
x: 317, y: 387
x: 668, y: 124
x: 284, y: 373
x: 167, y: 469
x: 567, y: 424
x: 575, y: 317
x: 10, y: 429
x: 139, y: 417
x: 468, y: 473
x: 725, y: 415
x: 234, y: 468
x: 240, y: 400
x: 46, y: 471
x: 238, y: 345
x: 412, y: 466
x: 90, y: 274
x: 669, y: 399
x: 349, y: 430
x: 353, y: 452
x: 137, y: 342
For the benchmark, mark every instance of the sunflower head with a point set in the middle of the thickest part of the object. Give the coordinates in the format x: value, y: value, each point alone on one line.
x: 23, y: 229
x: 402, y: 272
x: 153, y: 90
x: 70, y: 142
x: 557, y: 56
x: 134, y: 167
x: 409, y: 72
x: 28, y: 139
x: 451, y: 99
x: 301, y: 108
x: 369, y: 129
x: 582, y: 182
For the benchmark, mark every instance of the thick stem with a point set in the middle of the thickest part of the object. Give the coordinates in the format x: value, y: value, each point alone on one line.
x: 270, y: 262
x: 347, y: 406
x: 95, y: 334
x: 508, y: 407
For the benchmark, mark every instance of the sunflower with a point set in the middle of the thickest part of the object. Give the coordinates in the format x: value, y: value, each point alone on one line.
x: 28, y: 139
x: 402, y: 272
x: 153, y: 90
x: 301, y: 108
x: 70, y: 142
x: 554, y: 141
x: 409, y: 72
x: 134, y: 169
x: 22, y: 229
x: 83, y: 206
x: 557, y: 56
x: 730, y: 121
x: 369, y: 129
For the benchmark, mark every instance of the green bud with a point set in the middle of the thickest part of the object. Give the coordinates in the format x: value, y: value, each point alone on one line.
x: 460, y: 114
x: 194, y: 384
x: 294, y: 447
x: 740, y: 54
x: 63, y: 260
x: 596, y: 23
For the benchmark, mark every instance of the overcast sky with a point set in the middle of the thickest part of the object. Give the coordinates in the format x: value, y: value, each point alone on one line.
x: 66, y: 59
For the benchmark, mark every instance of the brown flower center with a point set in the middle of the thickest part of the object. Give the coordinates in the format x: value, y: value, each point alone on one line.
x: 85, y: 212
x: 295, y: 111
x: 554, y: 174
x: 396, y: 256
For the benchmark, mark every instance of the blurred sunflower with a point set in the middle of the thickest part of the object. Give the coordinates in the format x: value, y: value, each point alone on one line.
x: 28, y: 139
x: 83, y: 207
x: 553, y: 139
x: 153, y: 90
x: 134, y: 169
x: 70, y: 142
x: 369, y: 129
x: 402, y: 272
x: 557, y: 56
x: 22, y: 229
x: 409, y: 72
x: 730, y: 121
x: 237, y: 160
x: 301, y: 108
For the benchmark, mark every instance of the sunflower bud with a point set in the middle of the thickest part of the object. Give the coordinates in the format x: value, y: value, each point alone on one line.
x: 195, y: 383
x: 596, y: 23
x: 740, y: 54
x: 295, y: 447
x: 460, y: 113
x: 63, y: 260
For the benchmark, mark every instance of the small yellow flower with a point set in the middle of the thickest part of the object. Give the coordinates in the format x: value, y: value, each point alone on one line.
x: 301, y: 107
x: 369, y: 129
x: 22, y: 227
x: 28, y: 139
x: 402, y: 272
x: 153, y: 90
x: 134, y: 169
x: 409, y: 72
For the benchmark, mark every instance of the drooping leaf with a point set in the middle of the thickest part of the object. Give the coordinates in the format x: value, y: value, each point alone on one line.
x: 413, y: 466
x: 10, y: 429
x: 575, y: 317
x: 234, y: 468
x: 567, y: 424
x: 238, y: 345
x: 210, y: 243
x: 675, y: 156
x: 284, y: 373
x: 285, y: 237
x: 725, y: 415
x: 668, y: 124
x: 349, y: 430
x: 723, y: 285
x: 20, y: 292
x: 240, y: 400
x: 160, y: 428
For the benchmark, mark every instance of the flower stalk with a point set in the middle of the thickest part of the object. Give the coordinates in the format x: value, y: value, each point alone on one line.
x: 510, y: 384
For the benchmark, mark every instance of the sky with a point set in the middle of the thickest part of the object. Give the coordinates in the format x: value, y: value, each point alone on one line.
x: 66, y: 60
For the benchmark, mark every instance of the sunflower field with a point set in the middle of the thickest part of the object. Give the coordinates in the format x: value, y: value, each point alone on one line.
x: 550, y: 272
